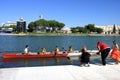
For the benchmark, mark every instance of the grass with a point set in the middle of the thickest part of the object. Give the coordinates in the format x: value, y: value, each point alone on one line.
x: 58, y: 34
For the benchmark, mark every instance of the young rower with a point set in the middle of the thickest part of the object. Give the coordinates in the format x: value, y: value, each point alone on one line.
x: 43, y: 51
x: 57, y: 50
x: 70, y: 49
x: 26, y: 50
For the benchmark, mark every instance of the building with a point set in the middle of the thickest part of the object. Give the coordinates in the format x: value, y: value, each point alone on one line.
x: 21, y: 25
x: 9, y: 24
x: 6, y: 29
x: 109, y: 29
x: 66, y: 30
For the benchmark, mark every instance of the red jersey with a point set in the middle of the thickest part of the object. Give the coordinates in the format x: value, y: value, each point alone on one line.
x: 103, y: 46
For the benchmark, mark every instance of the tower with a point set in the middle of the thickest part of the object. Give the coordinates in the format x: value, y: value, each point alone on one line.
x: 21, y: 25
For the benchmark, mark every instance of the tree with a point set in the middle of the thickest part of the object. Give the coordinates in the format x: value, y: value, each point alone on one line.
x: 99, y: 30
x: 52, y: 24
x: 114, y: 29
x: 74, y: 30
x: 43, y: 24
x: 90, y: 27
x: 83, y: 30
x: 60, y: 26
x: 31, y: 26
x: 87, y: 29
x: 55, y: 25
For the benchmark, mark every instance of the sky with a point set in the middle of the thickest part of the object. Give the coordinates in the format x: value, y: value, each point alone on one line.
x: 70, y: 12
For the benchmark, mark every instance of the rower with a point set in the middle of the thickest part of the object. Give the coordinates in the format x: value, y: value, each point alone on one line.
x: 26, y: 50
x: 43, y: 51
x: 70, y: 49
x: 57, y: 50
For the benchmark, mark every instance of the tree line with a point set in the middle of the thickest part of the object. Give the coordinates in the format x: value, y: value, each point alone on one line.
x: 90, y: 28
x: 52, y: 25
x: 43, y: 25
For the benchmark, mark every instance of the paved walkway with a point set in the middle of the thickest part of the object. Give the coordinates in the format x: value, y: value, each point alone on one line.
x: 68, y: 72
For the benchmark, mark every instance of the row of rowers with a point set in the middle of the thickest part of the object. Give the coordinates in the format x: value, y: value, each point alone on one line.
x: 43, y: 50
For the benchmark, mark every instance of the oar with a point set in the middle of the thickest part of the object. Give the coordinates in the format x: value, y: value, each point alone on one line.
x: 64, y: 51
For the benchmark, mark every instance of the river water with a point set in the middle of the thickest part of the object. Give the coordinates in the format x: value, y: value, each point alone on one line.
x: 16, y: 44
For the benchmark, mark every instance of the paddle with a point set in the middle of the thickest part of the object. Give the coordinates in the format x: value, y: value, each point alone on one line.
x: 64, y: 51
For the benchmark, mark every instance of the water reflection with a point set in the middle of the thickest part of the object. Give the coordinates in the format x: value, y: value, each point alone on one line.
x: 34, y: 62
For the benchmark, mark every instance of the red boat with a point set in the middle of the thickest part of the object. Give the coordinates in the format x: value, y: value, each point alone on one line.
x: 13, y: 56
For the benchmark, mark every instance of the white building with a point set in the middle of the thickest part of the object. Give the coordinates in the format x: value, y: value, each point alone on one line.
x: 9, y: 24
x: 109, y: 29
x: 8, y: 30
x: 66, y: 30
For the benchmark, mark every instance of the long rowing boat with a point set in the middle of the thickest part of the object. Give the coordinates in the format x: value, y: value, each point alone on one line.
x: 11, y: 56
x: 47, y: 55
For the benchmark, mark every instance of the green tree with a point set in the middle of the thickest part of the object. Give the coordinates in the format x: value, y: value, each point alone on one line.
x: 87, y: 29
x: 55, y: 25
x: 52, y: 24
x: 60, y: 26
x: 42, y: 24
x: 83, y: 30
x: 31, y: 26
x: 90, y: 27
x: 114, y: 29
x: 75, y: 29
x: 99, y: 30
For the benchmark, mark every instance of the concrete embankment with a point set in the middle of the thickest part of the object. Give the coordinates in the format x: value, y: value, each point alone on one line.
x: 68, y: 72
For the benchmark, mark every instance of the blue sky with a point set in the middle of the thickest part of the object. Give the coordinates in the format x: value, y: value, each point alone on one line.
x: 71, y: 12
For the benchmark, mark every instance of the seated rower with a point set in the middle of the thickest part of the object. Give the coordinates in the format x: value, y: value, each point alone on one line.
x: 57, y: 50
x: 70, y: 49
x: 26, y: 50
x: 43, y: 51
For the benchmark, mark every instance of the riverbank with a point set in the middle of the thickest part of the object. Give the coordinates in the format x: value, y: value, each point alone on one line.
x: 55, y: 34
x: 68, y: 72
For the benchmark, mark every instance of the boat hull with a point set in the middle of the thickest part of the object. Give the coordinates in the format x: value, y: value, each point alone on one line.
x: 11, y: 56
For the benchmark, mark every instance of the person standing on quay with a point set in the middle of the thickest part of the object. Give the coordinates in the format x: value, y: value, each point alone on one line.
x: 115, y: 54
x: 104, y: 49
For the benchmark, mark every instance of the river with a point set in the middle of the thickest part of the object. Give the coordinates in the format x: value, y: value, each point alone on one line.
x: 16, y: 44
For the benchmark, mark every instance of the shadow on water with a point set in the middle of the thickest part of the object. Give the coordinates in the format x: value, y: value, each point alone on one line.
x: 11, y: 63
